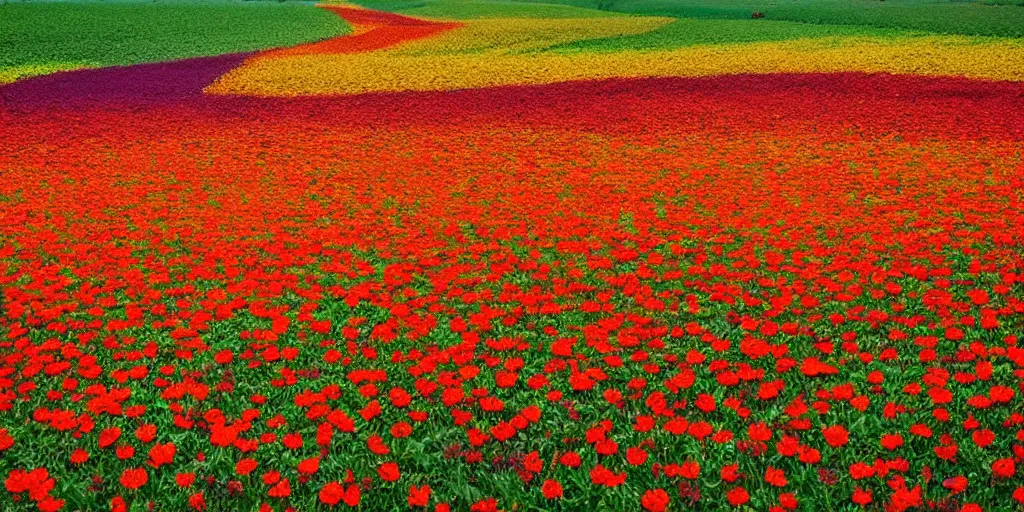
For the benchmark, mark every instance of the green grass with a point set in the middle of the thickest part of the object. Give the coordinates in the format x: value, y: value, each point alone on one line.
x: 469, y: 9
x: 37, y: 37
x: 690, y: 32
x: 977, y: 18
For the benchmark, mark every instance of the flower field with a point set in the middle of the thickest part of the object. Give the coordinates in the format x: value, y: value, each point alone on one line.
x: 43, y: 37
x: 499, y: 51
x: 485, y: 255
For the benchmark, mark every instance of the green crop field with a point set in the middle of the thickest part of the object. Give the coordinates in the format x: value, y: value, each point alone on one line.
x: 688, y: 32
x: 469, y: 9
x: 40, y: 37
x: 978, y: 18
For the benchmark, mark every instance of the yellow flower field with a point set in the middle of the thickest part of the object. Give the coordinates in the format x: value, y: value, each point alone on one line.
x: 496, y: 52
x: 10, y: 74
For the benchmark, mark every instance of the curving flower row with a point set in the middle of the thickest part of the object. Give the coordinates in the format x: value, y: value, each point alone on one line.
x: 490, y: 52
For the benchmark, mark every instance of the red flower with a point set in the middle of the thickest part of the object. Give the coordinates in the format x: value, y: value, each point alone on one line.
x: 6, y: 441
x: 956, y: 484
x: 352, y: 496
x: 892, y: 441
x: 117, y: 504
x: 502, y: 431
x: 836, y: 436
x: 636, y: 456
x: 50, y: 504
x: 376, y: 445
x: 1018, y: 495
x: 788, y: 501
x: 125, y: 451
x: 601, y: 475
x: 861, y: 496
x: 759, y: 432
x: 292, y: 441
x: 655, y: 500
x: 551, y: 489
x: 570, y: 460
x: 730, y: 473
x: 484, y: 505
x: 309, y: 466
x: 419, y: 496
x: 401, y: 430
x: 109, y: 436
x: 146, y: 433
x: 388, y: 472
x: 689, y: 470
x: 134, y: 478
x: 332, y: 493
x: 161, y: 454
x: 197, y: 501
x: 245, y: 466
x: 983, y: 437
x: 904, y: 499
x: 1004, y: 468
x: 737, y: 496
x: 79, y: 456
x: 185, y: 479
x: 282, y: 489
x: 775, y: 477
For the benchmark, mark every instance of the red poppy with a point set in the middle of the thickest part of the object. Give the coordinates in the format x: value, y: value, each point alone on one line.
x: 388, y: 472
x: 551, y: 489
x: 655, y: 500
x: 775, y: 477
x: 861, y: 496
x: 282, y: 489
x: 331, y: 493
x: 836, y: 436
x: 419, y: 496
x: 197, y: 501
x: 50, y: 504
x: 245, y: 466
x: 956, y: 484
x: 636, y: 456
x: 161, y: 454
x: 737, y: 496
x: 309, y: 466
x: 6, y: 440
x: 79, y: 456
x: 109, y: 436
x: 892, y: 441
x: 570, y: 459
x: 1004, y: 468
x: 185, y: 479
x: 134, y: 478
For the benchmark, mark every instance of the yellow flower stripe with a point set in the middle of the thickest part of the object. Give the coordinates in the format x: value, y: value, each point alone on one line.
x: 403, y: 71
x: 10, y: 74
x: 476, y: 38
x: 514, y: 35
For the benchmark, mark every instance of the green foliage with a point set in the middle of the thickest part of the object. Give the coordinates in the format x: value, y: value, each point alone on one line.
x: 120, y: 33
x: 688, y: 32
x: 468, y: 9
x: 979, y: 18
